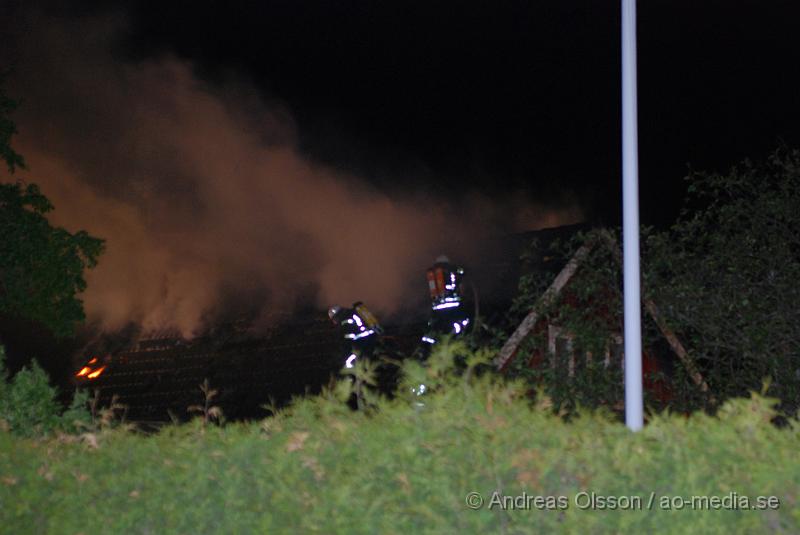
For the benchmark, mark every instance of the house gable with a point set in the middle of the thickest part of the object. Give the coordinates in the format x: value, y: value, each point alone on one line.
x: 531, y: 322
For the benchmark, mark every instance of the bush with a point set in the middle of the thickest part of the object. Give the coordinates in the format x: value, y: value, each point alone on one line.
x: 401, y: 467
x: 29, y: 406
x: 77, y: 417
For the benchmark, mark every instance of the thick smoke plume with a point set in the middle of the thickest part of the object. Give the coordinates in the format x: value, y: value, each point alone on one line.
x: 202, y: 195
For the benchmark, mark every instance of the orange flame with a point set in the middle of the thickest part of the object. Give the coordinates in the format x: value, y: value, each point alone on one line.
x: 89, y: 371
x: 96, y: 373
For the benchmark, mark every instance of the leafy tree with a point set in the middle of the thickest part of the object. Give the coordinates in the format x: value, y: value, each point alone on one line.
x: 41, y: 266
x: 726, y: 276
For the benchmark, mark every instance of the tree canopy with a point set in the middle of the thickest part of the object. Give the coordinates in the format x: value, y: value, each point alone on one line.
x: 726, y: 275
x: 41, y: 266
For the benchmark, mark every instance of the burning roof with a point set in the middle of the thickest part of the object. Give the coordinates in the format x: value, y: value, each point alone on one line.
x: 157, y: 374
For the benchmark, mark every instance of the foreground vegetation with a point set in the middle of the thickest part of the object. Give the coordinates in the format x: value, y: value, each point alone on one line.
x: 405, y: 467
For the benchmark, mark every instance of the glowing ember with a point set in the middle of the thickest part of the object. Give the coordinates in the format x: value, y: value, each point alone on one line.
x: 84, y: 371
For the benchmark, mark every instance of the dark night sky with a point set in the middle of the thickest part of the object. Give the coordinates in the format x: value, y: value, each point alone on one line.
x: 502, y: 94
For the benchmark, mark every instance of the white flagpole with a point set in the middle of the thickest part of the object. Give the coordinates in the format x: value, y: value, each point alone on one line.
x: 630, y: 222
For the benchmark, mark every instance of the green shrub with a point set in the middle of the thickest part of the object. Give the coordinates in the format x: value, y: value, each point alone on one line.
x: 402, y: 466
x: 29, y: 406
x: 76, y: 417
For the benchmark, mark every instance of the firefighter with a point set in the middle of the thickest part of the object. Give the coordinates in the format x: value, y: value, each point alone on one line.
x: 448, y: 311
x: 360, y: 328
